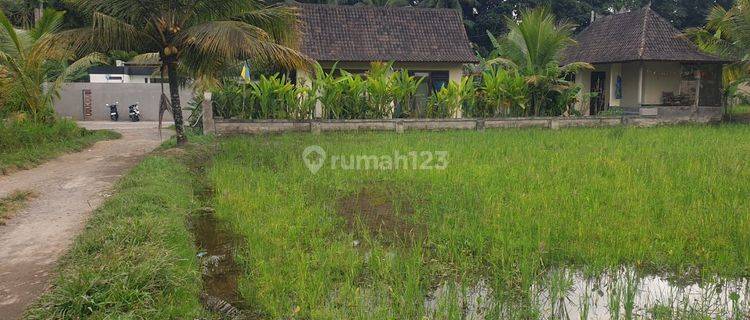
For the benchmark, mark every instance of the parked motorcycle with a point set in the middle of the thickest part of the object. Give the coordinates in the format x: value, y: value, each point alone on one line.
x: 113, y: 114
x: 134, y: 113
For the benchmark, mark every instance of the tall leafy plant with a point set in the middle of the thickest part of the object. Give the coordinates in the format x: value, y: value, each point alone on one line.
x: 403, y: 89
x: 502, y: 92
x: 726, y: 34
x: 451, y: 98
x: 32, y: 71
x: 380, y: 89
x: 353, y: 88
x: 533, y: 46
x: 198, y: 38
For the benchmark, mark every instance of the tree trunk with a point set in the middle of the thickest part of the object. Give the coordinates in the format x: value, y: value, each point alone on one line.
x: 174, y: 92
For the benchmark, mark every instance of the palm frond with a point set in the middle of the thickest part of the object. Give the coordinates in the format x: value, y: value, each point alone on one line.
x: 146, y: 58
x: 50, y: 22
x: 233, y: 40
x: 11, y: 42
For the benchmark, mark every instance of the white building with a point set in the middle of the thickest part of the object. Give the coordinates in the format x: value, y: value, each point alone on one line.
x: 124, y: 73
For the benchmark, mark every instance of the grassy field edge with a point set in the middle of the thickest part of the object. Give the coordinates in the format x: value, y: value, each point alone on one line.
x: 45, y: 145
x: 135, y: 259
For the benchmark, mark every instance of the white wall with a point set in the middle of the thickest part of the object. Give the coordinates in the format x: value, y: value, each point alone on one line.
x: 105, y: 78
x: 148, y: 95
x: 660, y: 77
x: 630, y: 83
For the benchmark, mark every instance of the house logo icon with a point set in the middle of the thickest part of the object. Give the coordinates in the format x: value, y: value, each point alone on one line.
x: 314, y: 158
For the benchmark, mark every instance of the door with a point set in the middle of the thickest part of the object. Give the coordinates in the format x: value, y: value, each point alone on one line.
x: 599, y: 97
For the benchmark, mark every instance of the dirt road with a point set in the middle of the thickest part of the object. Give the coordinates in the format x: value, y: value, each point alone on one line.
x: 68, y: 189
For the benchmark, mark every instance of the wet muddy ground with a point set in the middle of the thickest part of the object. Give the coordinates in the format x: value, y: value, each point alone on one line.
x: 216, y: 244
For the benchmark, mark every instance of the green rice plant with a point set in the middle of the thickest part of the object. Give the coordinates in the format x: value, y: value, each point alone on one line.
x: 512, y: 205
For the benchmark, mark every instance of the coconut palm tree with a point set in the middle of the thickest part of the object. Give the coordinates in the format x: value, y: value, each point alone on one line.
x: 197, y: 38
x: 725, y: 34
x: 32, y: 72
x: 533, y: 46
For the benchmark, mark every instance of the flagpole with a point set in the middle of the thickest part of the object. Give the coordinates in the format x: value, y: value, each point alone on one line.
x: 244, y: 84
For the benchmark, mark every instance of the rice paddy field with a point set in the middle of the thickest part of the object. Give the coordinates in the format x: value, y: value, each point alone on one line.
x: 616, y: 223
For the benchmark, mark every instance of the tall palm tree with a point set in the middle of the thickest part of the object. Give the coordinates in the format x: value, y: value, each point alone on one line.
x: 36, y: 71
x: 533, y: 46
x: 726, y: 34
x: 197, y: 38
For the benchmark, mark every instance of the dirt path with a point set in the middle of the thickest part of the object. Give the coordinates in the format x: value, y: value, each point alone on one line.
x: 69, y: 188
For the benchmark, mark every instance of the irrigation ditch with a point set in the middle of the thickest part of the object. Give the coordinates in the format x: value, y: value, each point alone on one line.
x: 215, y: 243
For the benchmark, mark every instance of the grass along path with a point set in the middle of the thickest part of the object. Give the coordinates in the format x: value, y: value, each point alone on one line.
x: 136, y: 257
x: 12, y: 203
x: 511, y: 207
x: 26, y: 144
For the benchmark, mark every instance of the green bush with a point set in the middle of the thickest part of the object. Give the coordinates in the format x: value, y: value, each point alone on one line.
x: 384, y: 92
x: 271, y: 97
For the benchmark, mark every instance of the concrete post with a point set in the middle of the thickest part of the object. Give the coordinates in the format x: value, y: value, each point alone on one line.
x: 399, y: 126
x: 480, y: 124
x: 697, y: 93
x: 315, y: 126
x: 209, y: 126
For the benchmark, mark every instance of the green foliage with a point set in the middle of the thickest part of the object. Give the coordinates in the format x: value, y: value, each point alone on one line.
x: 502, y: 92
x: 136, y: 258
x: 380, y: 89
x: 532, y: 48
x: 200, y: 42
x: 451, y: 98
x: 512, y: 205
x: 24, y: 143
x: 725, y: 34
x: 32, y: 71
x: 271, y: 97
x: 403, y: 89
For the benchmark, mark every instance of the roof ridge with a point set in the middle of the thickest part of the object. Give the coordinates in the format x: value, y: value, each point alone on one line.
x: 368, y: 7
x: 642, y: 47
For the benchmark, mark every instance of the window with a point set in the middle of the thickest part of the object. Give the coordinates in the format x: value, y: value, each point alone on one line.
x: 709, y: 80
x: 432, y: 82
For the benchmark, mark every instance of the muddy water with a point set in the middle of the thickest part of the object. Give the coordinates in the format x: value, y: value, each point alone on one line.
x: 219, y: 269
x: 619, y: 294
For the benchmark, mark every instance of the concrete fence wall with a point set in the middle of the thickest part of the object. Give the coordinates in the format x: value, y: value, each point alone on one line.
x: 70, y: 104
x: 662, y: 115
